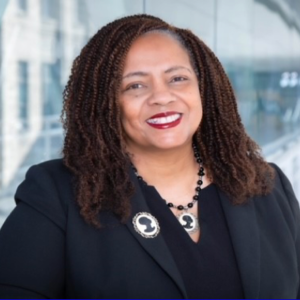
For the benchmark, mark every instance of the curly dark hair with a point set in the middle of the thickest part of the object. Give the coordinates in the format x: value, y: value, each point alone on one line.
x: 94, y: 147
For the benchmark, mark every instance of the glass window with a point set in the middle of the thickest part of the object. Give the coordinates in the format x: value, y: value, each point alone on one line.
x: 50, y: 8
x: 258, y: 50
x: 199, y: 16
x: 82, y: 13
x: 52, y: 88
x: 23, y: 94
x: 22, y: 4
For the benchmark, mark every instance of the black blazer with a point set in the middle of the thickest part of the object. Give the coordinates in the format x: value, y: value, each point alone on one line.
x: 47, y: 250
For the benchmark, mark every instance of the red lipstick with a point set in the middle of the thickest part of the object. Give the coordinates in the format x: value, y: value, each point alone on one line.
x: 165, y: 120
x: 164, y: 114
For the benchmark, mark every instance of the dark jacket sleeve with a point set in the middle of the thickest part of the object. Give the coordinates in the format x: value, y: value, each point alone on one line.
x: 32, y: 241
x: 294, y: 204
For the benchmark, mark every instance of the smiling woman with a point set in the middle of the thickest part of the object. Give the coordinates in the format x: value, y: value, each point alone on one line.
x: 159, y: 97
x: 160, y: 193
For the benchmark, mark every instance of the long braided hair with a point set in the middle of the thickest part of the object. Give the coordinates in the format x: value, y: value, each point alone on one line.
x: 94, y: 146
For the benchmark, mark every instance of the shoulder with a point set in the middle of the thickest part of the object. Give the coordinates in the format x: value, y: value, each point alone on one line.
x: 281, y: 203
x: 50, y: 176
x: 47, y: 188
x: 53, y: 167
x: 282, y: 182
x: 283, y: 187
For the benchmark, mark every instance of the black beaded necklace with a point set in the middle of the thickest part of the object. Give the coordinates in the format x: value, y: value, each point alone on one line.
x: 187, y: 220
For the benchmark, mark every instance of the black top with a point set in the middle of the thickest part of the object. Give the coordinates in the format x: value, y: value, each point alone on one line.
x: 47, y: 250
x: 208, y: 267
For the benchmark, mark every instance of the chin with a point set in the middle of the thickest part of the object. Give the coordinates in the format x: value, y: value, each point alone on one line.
x: 168, y: 145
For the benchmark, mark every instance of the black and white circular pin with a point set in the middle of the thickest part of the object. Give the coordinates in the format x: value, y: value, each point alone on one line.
x: 189, y: 222
x: 146, y: 225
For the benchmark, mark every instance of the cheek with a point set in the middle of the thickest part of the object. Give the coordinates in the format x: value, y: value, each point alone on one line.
x: 197, y: 103
x: 198, y: 110
x: 130, y: 114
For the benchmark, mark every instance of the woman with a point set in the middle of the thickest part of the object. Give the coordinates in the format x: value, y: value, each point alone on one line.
x: 160, y: 192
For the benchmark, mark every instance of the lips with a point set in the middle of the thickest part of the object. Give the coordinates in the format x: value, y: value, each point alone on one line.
x: 165, y: 120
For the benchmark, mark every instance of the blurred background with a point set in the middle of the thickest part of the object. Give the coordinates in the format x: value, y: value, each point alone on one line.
x: 257, y: 41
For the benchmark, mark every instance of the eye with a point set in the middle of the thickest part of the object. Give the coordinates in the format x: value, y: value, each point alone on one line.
x: 178, y: 79
x: 134, y: 86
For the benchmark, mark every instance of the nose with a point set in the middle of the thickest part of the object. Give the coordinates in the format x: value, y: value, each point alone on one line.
x: 161, y: 94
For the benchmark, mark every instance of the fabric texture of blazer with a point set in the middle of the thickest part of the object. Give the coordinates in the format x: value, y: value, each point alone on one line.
x: 47, y: 250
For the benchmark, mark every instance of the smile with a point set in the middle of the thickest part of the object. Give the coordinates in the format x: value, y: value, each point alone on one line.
x: 165, y: 121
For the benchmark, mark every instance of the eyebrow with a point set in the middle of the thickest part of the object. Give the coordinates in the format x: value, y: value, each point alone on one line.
x: 175, y: 68
x: 143, y: 74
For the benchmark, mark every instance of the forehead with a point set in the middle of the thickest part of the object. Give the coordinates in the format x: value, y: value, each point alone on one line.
x: 156, y: 47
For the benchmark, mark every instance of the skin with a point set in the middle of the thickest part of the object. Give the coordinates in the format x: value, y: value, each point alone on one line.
x: 158, y: 78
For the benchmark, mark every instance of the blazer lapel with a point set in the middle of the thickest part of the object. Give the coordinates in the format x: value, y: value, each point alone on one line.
x: 156, y: 247
x: 243, y: 228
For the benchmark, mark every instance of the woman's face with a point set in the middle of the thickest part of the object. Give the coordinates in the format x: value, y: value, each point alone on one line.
x: 159, y: 96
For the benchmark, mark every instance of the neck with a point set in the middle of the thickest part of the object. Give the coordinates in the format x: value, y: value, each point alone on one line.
x: 165, y: 166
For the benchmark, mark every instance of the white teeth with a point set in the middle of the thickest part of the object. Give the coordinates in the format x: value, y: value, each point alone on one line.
x: 164, y: 120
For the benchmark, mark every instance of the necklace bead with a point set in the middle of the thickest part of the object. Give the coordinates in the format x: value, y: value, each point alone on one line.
x: 197, y: 189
